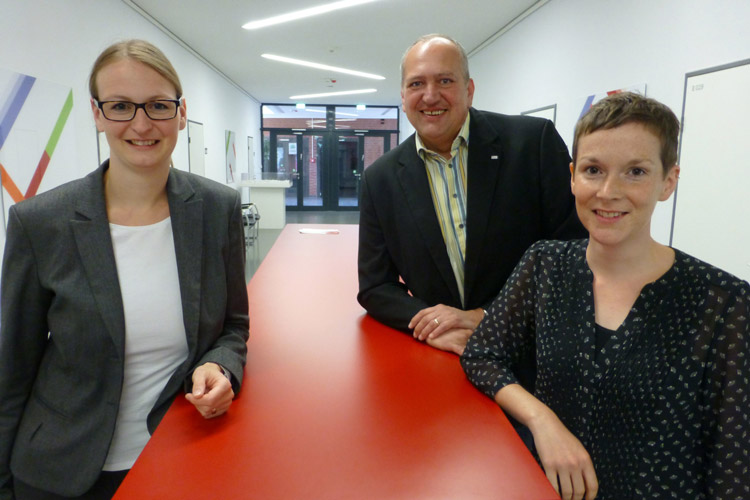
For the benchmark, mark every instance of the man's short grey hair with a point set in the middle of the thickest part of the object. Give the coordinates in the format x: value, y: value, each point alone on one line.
x: 432, y: 36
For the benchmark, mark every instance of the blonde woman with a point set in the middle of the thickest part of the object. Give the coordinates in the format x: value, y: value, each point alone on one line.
x: 118, y: 290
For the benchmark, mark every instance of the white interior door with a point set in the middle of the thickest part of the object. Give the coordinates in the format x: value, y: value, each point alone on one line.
x: 710, y: 219
x: 196, y: 149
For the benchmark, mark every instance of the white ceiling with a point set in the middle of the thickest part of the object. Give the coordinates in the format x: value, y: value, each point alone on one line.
x: 369, y: 38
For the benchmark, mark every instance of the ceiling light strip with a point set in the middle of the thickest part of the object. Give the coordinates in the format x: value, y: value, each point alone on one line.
x: 343, y: 92
x: 300, y: 14
x: 326, y: 67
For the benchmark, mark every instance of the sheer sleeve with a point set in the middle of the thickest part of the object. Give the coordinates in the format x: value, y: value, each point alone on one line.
x: 726, y: 424
x: 502, y: 349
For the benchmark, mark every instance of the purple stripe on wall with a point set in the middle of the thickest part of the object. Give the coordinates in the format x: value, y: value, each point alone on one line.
x: 12, y: 107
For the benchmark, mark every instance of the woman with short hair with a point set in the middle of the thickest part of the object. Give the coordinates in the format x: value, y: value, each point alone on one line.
x: 642, y: 352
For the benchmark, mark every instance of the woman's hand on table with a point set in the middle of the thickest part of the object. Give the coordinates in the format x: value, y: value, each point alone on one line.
x: 212, y: 391
x: 566, y: 462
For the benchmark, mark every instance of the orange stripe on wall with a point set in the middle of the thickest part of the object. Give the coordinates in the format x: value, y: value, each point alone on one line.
x: 10, y: 186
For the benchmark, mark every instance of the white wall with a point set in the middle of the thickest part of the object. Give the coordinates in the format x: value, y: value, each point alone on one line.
x: 570, y: 49
x: 58, y: 40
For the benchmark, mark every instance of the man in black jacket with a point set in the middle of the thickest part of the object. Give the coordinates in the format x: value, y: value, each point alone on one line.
x: 446, y: 215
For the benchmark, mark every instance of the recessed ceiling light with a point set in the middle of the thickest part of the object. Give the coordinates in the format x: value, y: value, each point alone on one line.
x: 300, y: 14
x: 309, y: 64
x: 343, y: 92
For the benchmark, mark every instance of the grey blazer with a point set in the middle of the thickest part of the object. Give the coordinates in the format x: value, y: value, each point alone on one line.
x: 63, y: 329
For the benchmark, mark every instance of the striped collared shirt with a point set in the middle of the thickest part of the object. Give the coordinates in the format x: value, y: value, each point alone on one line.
x: 448, y: 187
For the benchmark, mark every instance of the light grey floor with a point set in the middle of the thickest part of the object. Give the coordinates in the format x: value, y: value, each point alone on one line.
x: 266, y: 237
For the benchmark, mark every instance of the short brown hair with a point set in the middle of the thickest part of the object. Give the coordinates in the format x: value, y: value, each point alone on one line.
x: 137, y: 50
x: 629, y: 107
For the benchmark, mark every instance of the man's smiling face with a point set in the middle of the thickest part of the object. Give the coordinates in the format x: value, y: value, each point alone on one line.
x: 435, y: 93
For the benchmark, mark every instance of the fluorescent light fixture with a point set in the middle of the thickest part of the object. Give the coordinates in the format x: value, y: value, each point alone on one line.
x: 343, y: 92
x: 309, y: 64
x: 361, y: 107
x: 300, y: 14
x: 300, y: 105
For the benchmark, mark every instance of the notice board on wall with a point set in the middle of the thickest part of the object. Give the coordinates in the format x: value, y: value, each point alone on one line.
x: 710, y: 218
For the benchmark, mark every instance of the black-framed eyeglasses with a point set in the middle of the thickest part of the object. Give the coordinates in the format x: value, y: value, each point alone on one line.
x: 124, y: 111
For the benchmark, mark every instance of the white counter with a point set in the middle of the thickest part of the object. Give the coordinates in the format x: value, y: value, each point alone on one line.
x: 269, y: 197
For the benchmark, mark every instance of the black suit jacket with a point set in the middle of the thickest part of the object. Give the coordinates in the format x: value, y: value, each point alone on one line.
x: 518, y: 192
x: 59, y: 394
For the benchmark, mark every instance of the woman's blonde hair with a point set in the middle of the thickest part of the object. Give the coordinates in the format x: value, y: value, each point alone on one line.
x: 138, y: 50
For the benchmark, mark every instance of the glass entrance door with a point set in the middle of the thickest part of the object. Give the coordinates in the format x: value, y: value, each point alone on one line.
x: 371, y: 145
x: 324, y: 149
x: 284, y: 156
x: 348, y: 171
x: 325, y: 167
x: 298, y: 157
x: 311, y: 187
x: 355, y: 153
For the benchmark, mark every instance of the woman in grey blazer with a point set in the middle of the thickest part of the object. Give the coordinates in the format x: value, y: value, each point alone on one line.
x: 118, y: 290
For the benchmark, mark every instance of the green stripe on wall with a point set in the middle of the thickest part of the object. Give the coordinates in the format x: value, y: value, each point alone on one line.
x: 57, y: 131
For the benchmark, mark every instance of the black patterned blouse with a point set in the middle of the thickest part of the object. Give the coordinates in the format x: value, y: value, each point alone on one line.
x: 663, y: 409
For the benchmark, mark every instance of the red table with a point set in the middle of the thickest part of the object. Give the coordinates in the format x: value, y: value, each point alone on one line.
x: 335, y: 405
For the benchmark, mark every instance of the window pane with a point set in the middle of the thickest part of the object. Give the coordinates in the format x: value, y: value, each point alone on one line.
x: 348, y: 170
x: 370, y: 118
x: 266, y: 151
x: 290, y: 117
x: 312, y: 189
x: 374, y: 149
x: 286, y: 165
